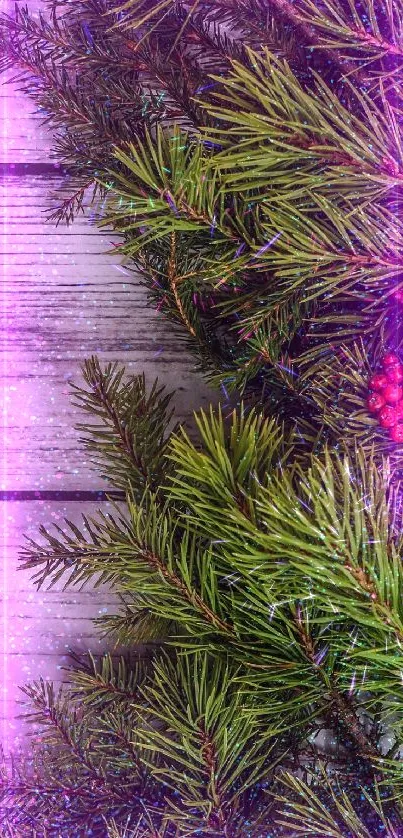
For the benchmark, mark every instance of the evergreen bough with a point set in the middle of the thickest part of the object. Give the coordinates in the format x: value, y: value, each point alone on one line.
x: 249, y: 152
x: 261, y: 692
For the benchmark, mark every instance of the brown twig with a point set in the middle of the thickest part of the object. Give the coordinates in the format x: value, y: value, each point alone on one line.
x: 190, y: 595
x: 121, y: 431
x: 345, y: 710
x: 173, y: 280
x: 217, y: 818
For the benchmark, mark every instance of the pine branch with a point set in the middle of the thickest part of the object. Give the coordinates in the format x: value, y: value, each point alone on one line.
x: 300, y: 208
x: 258, y: 190
x: 309, y: 514
x: 99, y: 684
x: 207, y: 719
x: 345, y: 710
x: 304, y: 809
x: 373, y: 28
x: 134, y: 626
x: 72, y: 775
x: 173, y: 280
x: 147, y: 555
x: 130, y: 437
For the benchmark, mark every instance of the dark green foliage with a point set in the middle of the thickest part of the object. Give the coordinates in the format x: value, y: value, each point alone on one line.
x: 250, y: 154
x: 129, y: 437
x: 262, y: 614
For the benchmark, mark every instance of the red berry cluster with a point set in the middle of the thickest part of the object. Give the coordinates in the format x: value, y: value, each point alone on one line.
x: 386, y: 398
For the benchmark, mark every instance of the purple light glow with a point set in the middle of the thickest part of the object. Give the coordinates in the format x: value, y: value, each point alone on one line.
x: 28, y: 264
x: 6, y: 674
x: 267, y: 245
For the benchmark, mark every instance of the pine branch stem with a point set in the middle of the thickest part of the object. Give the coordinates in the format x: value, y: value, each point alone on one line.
x: 127, y: 444
x: 286, y: 10
x: 346, y: 713
x: 379, y: 43
x: 217, y: 818
x: 382, y: 608
x: 191, y: 596
x: 173, y: 283
x: 351, y: 723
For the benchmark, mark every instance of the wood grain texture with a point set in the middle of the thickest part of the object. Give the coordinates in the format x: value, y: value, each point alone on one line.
x: 41, y: 627
x: 64, y: 299
x: 61, y: 300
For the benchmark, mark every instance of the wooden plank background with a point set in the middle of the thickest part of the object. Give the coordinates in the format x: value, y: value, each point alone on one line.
x: 62, y: 299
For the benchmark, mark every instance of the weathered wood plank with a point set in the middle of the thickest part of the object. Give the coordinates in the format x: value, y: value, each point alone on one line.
x: 40, y: 627
x: 22, y: 137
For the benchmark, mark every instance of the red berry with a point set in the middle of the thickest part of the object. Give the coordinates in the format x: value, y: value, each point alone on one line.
x: 388, y: 416
x: 396, y: 433
x: 398, y: 296
x: 378, y: 382
x: 395, y: 374
x: 390, y: 360
x: 392, y: 394
x: 399, y: 411
x: 375, y: 402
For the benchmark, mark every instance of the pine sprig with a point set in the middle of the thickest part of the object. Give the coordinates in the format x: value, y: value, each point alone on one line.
x: 306, y: 812
x: 253, y: 170
x: 262, y: 592
x: 133, y: 625
x: 209, y: 719
x: 131, y: 434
